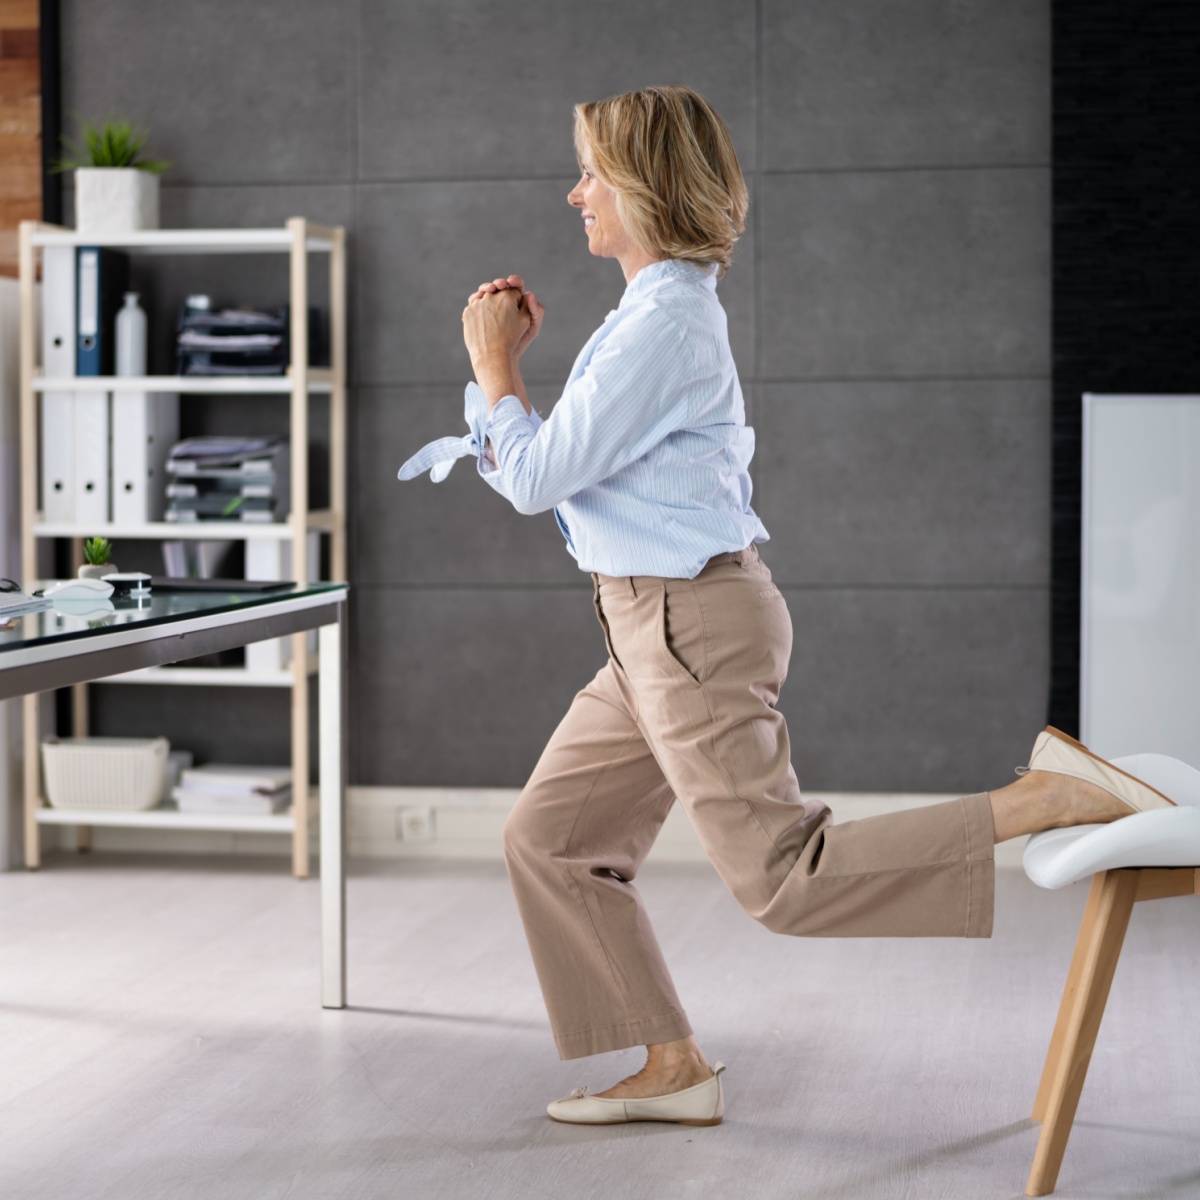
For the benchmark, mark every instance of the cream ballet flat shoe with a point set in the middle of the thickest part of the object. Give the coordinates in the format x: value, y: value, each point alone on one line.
x: 703, y: 1104
x: 1058, y: 752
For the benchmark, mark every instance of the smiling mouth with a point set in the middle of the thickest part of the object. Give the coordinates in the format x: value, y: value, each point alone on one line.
x: 588, y: 222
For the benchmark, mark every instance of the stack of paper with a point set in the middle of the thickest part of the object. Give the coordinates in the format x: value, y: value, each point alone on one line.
x: 228, y: 479
x: 232, y: 342
x: 226, y: 788
x: 14, y: 602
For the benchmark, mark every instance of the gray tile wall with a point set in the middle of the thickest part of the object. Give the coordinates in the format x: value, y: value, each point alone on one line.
x: 888, y: 310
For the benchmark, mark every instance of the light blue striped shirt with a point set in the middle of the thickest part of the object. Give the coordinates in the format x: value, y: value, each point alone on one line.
x: 645, y: 457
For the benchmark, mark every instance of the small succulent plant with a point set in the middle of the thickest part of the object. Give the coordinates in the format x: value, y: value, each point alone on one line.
x: 113, y: 144
x: 97, y: 551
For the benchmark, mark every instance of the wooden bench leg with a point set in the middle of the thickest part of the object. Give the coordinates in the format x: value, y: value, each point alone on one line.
x: 1097, y: 950
x: 1070, y: 991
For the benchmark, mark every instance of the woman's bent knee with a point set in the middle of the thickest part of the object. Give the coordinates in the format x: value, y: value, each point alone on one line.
x: 525, y: 832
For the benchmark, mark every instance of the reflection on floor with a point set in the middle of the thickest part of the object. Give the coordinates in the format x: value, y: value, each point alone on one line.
x: 161, y: 1038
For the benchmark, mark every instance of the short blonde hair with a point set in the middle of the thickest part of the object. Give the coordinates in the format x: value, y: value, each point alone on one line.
x: 671, y: 162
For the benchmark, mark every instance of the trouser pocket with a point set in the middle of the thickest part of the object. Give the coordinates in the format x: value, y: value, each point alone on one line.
x: 603, y: 622
x: 681, y: 634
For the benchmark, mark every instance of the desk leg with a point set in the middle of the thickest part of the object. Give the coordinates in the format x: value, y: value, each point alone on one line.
x: 333, y: 731
x: 32, y: 789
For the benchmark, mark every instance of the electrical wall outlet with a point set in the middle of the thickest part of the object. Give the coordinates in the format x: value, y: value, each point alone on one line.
x: 414, y: 824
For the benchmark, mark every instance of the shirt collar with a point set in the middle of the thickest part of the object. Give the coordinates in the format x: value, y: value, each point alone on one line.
x: 704, y: 274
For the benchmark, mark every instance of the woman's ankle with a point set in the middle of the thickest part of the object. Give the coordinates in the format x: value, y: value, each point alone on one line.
x: 1023, y: 807
x: 680, y: 1057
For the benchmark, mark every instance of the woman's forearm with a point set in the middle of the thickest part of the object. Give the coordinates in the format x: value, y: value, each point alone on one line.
x: 500, y: 377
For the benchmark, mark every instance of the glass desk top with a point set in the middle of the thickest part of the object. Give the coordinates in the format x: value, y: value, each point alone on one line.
x: 70, y: 620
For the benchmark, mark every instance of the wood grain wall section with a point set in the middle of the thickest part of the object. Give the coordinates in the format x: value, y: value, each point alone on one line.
x: 20, y: 125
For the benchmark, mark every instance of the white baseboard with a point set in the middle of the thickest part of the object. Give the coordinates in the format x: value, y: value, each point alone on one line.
x: 467, y: 824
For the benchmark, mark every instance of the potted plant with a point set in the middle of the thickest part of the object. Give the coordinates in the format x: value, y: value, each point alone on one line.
x: 97, y: 551
x: 116, y: 190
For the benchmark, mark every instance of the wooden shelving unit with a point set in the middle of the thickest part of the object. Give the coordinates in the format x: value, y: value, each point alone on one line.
x: 297, y: 238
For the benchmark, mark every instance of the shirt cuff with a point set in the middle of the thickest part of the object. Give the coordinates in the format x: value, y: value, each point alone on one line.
x: 508, y: 416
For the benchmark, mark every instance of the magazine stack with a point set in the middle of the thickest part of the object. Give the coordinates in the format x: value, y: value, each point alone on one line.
x: 232, y: 790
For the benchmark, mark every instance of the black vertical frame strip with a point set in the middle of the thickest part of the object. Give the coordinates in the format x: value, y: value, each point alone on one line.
x: 51, y: 59
x: 50, y: 67
x: 1126, y: 258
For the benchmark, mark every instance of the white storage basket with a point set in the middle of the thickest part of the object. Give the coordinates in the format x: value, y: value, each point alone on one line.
x: 123, y: 774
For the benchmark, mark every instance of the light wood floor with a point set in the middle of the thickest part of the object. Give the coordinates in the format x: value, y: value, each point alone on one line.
x: 161, y: 1038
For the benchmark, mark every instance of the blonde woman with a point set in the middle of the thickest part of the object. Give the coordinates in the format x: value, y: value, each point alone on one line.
x: 644, y: 460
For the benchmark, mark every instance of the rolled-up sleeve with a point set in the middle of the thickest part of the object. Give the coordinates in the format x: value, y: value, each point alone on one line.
x: 491, y: 473
x: 633, y: 393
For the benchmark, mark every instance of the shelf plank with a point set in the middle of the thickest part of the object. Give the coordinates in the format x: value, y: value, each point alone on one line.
x: 320, y: 379
x: 188, y: 241
x: 172, y: 531
x: 162, y: 818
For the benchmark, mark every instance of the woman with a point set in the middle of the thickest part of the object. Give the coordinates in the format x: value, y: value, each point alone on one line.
x: 644, y: 460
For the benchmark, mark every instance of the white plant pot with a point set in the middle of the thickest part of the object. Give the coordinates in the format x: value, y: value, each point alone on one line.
x: 115, y: 199
x: 97, y: 571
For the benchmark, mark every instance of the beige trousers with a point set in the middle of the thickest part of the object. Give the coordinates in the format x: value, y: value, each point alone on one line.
x: 685, y: 709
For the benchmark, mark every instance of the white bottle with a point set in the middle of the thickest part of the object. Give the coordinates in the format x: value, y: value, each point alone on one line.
x: 131, y: 337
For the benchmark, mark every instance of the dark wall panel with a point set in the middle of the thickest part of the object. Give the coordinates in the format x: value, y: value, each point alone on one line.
x: 1126, y: 247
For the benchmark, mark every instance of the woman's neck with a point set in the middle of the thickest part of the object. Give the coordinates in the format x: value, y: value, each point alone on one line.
x: 634, y: 260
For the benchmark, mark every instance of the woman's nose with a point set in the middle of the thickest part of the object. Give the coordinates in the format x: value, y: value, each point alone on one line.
x: 573, y: 197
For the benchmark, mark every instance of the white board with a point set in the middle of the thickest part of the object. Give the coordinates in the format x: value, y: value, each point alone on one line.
x: 1140, y: 619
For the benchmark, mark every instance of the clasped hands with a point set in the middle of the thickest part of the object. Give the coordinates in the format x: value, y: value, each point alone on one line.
x: 500, y: 320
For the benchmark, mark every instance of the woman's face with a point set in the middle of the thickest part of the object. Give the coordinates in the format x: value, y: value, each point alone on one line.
x: 597, y: 204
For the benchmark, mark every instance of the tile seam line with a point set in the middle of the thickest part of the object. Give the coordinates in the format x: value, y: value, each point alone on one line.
x: 782, y: 584
x: 957, y: 378
x: 757, y: 294
x: 752, y: 173
x: 898, y: 169
x: 568, y: 178
x: 192, y: 185
x: 356, y: 117
x: 746, y: 379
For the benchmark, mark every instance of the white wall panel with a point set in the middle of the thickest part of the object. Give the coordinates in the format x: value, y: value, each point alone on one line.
x: 1140, y: 652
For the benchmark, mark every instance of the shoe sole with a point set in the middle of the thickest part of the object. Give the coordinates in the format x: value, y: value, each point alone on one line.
x: 636, y: 1120
x: 1066, y: 737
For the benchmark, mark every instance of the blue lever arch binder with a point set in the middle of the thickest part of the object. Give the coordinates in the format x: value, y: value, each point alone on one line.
x: 103, y: 276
